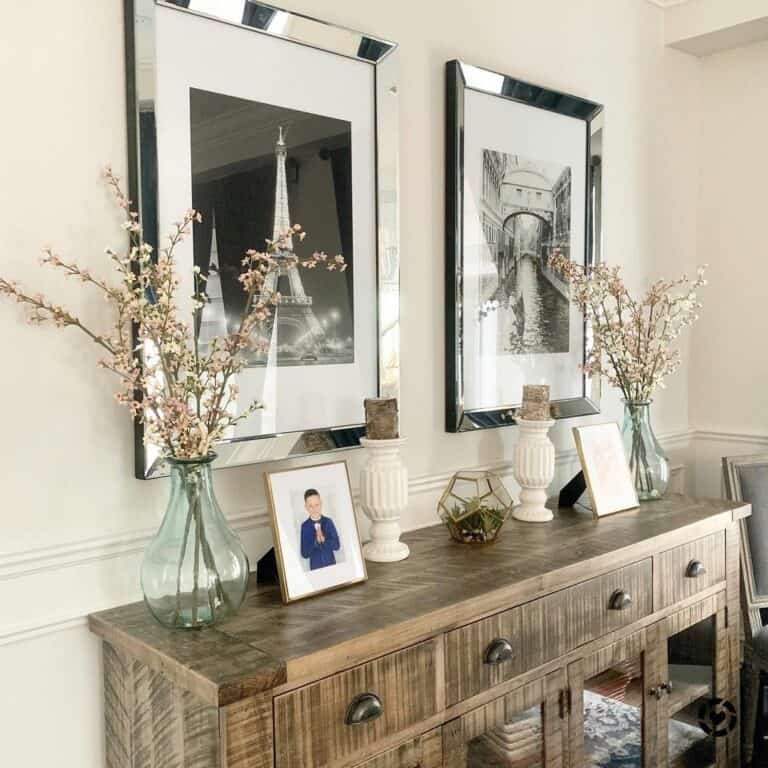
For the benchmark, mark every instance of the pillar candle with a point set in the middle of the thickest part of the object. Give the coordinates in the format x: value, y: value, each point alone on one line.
x: 535, y: 402
x: 381, y: 418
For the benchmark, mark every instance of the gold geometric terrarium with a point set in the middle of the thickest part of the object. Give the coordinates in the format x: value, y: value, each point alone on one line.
x: 474, y: 506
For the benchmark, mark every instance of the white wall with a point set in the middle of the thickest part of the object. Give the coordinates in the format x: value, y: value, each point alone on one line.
x: 73, y: 521
x: 729, y: 371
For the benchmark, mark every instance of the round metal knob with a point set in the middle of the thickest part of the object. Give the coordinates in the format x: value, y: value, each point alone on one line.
x: 695, y: 569
x: 499, y: 651
x: 364, y: 708
x: 656, y: 692
x: 666, y: 687
x: 620, y: 600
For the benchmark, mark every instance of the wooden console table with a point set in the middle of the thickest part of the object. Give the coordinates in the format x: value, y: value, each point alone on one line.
x: 527, y: 652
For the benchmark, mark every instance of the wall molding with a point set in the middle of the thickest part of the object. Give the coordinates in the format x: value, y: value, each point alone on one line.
x: 719, y: 436
x: 57, y: 561
x: 23, y: 634
x: 33, y: 561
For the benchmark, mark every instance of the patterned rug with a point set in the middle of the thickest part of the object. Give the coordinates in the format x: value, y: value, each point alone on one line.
x: 613, y: 737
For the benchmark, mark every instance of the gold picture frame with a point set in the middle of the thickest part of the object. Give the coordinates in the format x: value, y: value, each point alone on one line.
x: 605, y: 468
x: 296, y: 582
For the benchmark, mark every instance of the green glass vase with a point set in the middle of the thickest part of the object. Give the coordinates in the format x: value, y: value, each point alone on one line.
x: 648, y: 463
x: 195, y: 570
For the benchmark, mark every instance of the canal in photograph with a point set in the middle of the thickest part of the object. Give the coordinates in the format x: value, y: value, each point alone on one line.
x: 533, y: 316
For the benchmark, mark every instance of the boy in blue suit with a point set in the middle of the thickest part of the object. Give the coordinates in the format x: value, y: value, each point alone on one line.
x: 319, y: 539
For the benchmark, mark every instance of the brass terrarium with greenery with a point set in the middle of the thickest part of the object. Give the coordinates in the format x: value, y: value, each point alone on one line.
x: 474, y: 507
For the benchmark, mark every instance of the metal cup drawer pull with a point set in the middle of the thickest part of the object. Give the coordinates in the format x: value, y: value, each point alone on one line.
x: 364, y: 708
x: 499, y: 651
x: 620, y: 600
x: 695, y: 569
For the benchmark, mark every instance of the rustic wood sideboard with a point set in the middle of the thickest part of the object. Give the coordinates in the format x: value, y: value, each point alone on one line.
x: 561, y: 644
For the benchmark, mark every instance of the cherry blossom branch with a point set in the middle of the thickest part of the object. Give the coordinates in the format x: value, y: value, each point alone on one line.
x: 631, y: 339
x: 184, y: 400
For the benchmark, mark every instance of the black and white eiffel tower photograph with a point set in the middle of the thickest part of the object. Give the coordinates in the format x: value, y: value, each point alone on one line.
x: 258, y: 169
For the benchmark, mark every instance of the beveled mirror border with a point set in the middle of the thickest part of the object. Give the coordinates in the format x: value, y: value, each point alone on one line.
x: 461, y: 77
x: 380, y: 54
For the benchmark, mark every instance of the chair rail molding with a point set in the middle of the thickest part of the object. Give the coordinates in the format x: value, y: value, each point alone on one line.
x: 720, y: 436
x: 52, y: 589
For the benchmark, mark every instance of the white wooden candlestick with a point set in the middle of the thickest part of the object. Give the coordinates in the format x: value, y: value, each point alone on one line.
x: 384, y: 497
x: 534, y: 470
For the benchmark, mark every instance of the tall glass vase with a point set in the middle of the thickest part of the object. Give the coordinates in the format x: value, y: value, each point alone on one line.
x: 648, y: 463
x: 195, y: 570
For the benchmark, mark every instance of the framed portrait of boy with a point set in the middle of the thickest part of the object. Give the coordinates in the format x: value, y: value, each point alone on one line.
x: 317, y: 541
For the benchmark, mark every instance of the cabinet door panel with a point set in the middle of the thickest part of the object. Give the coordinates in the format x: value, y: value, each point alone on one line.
x: 522, y: 728
x: 700, y: 705
x: 655, y: 671
x: 606, y: 704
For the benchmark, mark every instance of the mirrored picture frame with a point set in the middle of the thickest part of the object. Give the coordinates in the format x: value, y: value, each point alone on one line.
x: 523, y: 177
x: 170, y: 103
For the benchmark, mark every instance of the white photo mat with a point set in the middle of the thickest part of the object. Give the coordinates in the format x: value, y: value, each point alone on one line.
x: 193, y: 52
x: 285, y: 491
x: 498, y: 124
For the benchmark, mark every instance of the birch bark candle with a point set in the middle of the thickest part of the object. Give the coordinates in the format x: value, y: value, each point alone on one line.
x: 535, y: 402
x: 381, y: 418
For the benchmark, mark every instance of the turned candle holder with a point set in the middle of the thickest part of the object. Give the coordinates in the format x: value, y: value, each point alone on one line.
x: 383, y: 498
x: 534, y: 470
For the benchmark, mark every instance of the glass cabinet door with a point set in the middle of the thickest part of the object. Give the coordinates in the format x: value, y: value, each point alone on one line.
x: 660, y: 697
x: 523, y: 729
x: 695, y: 691
x: 607, y: 708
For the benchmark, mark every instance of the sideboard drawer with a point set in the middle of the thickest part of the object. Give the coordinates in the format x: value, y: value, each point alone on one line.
x: 385, y: 696
x: 529, y: 635
x: 685, y: 571
x: 468, y: 670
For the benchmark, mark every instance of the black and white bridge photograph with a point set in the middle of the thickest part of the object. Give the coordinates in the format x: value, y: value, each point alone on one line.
x: 525, y: 210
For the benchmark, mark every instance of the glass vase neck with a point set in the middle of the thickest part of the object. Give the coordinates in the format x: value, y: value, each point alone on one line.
x: 194, y: 471
x: 637, y: 404
x: 196, y: 461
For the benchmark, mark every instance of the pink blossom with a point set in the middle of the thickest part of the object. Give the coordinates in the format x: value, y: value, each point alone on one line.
x: 187, y: 394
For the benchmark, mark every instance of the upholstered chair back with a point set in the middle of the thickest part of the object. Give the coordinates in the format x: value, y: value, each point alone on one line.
x: 746, y: 479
